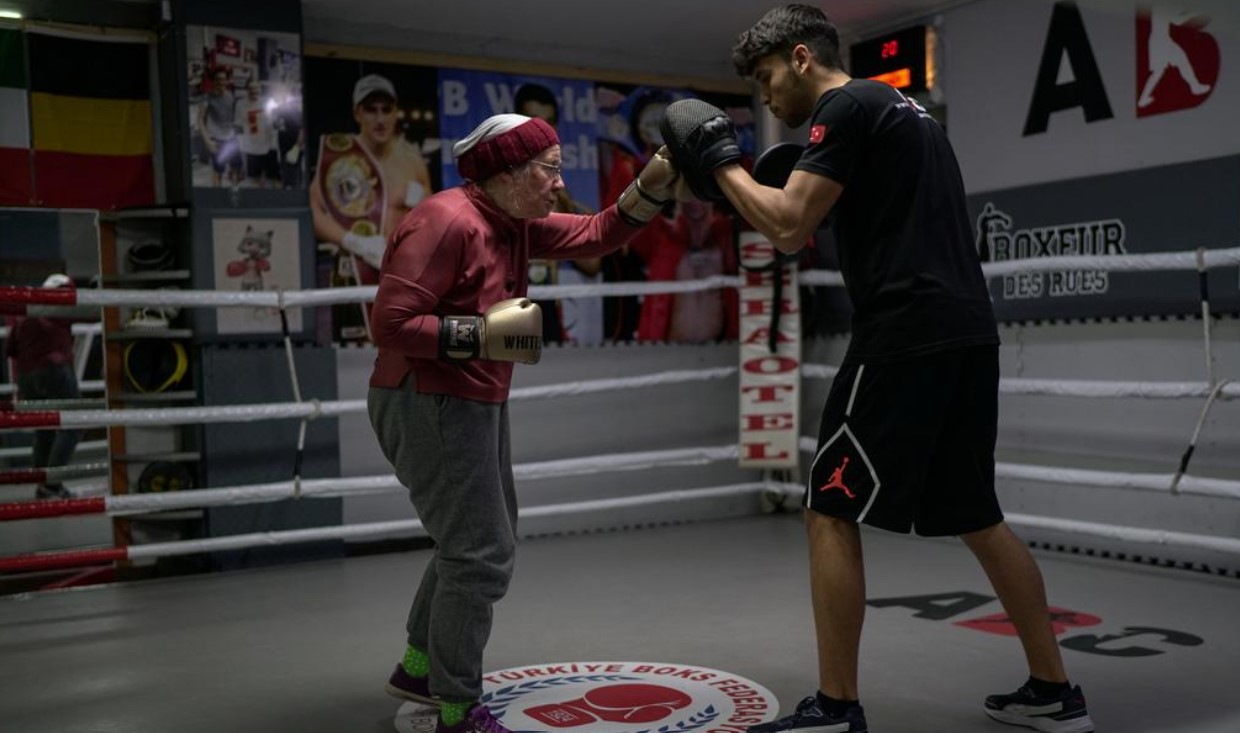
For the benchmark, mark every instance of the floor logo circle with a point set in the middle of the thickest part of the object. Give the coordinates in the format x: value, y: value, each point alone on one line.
x: 626, y: 697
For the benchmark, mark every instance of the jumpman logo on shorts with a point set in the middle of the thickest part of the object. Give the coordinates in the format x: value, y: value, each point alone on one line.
x: 837, y: 480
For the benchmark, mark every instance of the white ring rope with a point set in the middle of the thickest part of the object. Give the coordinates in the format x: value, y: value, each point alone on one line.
x: 56, y: 474
x: 23, y: 451
x: 641, y: 381
x: 332, y: 408
x: 90, y: 385
x: 78, y: 329
x: 1209, y: 259
x: 414, y: 526
x: 1139, y: 535
x: 1160, y: 482
x: 125, y: 504
x: 81, y: 403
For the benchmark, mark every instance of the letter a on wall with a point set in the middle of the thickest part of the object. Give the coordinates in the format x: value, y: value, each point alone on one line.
x: 1066, y: 36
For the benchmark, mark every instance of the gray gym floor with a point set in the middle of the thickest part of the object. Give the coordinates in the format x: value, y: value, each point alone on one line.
x: 307, y: 647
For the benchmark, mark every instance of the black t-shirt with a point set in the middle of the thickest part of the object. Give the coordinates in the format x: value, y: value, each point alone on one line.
x: 905, y: 242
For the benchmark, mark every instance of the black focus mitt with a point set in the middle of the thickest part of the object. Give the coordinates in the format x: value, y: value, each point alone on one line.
x: 775, y: 164
x: 701, y: 137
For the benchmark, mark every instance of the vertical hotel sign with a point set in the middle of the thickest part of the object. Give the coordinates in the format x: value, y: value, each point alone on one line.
x: 770, y: 379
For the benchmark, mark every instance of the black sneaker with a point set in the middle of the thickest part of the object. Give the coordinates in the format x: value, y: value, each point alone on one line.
x: 52, y: 491
x: 1064, y: 713
x: 402, y: 684
x: 809, y: 717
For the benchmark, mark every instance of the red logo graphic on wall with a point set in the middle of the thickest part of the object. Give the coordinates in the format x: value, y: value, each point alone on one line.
x: 1177, y: 61
x: 817, y: 133
x: 618, y: 697
x: 1061, y: 620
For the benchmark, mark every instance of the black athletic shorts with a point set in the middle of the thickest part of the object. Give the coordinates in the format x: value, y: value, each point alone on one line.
x: 911, y: 445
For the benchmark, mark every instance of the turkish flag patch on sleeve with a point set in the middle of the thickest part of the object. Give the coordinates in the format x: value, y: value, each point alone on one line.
x: 817, y: 133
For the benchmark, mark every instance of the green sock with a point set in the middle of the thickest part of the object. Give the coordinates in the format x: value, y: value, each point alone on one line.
x: 416, y: 663
x: 452, y: 713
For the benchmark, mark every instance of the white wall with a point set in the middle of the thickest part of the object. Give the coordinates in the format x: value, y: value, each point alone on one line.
x: 992, y: 53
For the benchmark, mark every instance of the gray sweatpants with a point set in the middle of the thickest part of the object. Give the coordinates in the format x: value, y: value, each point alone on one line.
x: 454, y: 456
x: 52, y: 448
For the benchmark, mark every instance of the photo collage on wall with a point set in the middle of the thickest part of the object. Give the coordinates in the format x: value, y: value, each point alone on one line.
x: 245, y: 108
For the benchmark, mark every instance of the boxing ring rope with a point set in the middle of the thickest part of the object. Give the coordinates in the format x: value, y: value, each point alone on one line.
x: 231, y: 496
x: 123, y: 505
x: 88, y: 385
x: 45, y: 405
x: 313, y: 409
x: 563, y: 468
x: 52, y: 474
x: 90, y: 446
x: 44, y: 302
x: 77, y: 329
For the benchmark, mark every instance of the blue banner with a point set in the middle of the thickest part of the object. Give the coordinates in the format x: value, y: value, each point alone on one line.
x: 466, y: 98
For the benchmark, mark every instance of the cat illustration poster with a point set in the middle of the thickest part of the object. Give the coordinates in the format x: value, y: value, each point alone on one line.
x: 256, y: 255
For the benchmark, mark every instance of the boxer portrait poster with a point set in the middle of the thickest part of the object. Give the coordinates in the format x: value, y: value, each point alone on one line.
x: 466, y: 99
x: 373, y: 145
x: 245, y: 108
x: 469, y: 97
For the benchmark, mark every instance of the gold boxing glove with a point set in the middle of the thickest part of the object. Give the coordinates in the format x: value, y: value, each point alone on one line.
x: 510, y: 330
x: 653, y: 189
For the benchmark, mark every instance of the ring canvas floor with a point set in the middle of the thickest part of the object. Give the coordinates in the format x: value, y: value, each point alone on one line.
x: 307, y: 647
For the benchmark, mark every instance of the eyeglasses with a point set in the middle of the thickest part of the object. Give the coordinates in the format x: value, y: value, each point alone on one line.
x: 556, y: 170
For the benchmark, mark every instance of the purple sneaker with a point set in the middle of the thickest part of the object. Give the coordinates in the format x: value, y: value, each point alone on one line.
x: 406, y: 687
x: 479, y: 720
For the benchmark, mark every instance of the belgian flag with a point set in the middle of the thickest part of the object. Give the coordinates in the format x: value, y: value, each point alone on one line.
x: 90, y: 120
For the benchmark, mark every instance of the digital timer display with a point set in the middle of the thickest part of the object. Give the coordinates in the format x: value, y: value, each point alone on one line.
x: 904, y: 59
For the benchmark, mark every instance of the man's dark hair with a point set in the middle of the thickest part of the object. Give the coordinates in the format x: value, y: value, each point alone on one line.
x: 536, y: 93
x: 780, y: 30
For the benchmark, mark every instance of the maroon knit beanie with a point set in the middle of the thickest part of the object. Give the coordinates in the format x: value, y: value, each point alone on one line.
x: 506, y: 150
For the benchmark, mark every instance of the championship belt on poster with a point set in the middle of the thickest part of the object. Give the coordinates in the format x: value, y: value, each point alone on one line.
x: 351, y: 185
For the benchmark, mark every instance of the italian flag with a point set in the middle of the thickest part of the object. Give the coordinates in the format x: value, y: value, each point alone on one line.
x: 76, y: 111
x: 16, y: 182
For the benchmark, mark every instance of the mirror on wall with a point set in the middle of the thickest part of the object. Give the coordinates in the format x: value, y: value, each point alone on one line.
x: 52, y: 363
